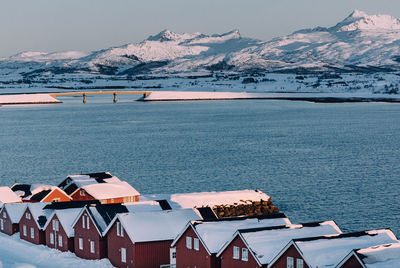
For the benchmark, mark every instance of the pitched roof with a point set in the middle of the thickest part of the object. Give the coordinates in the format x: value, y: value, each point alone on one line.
x: 66, y: 217
x: 39, y: 214
x: 103, y: 214
x: 34, y: 192
x: 211, y: 199
x: 110, y: 190
x: 15, y: 211
x: 265, y: 243
x: 215, y: 233
x: 330, y: 250
x: 73, y: 182
x: 382, y: 256
x: 8, y: 196
x: 156, y: 226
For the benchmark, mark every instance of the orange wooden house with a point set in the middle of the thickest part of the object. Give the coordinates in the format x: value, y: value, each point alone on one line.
x: 40, y: 193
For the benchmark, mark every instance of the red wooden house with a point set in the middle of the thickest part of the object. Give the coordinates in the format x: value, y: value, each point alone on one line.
x: 199, y: 242
x: 387, y: 256
x: 328, y: 251
x: 31, y: 223
x: 99, y: 186
x: 10, y: 215
x: 89, y: 229
x: 256, y: 247
x: 40, y: 193
x: 8, y: 196
x: 143, y: 239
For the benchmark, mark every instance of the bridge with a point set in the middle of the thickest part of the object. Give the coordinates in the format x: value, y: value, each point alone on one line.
x: 85, y: 93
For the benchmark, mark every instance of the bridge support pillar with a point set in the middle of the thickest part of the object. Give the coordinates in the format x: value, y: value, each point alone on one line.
x: 84, y: 98
x: 115, y: 97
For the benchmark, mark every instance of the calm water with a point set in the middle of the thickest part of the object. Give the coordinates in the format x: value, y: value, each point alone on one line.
x: 316, y: 161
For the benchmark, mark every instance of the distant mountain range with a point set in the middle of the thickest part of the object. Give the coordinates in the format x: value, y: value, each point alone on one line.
x: 360, y: 43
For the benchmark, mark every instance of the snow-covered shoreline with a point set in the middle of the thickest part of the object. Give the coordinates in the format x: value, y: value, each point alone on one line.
x: 15, y: 99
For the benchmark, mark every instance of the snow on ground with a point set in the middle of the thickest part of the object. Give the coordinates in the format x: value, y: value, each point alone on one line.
x: 27, y: 99
x: 19, y: 253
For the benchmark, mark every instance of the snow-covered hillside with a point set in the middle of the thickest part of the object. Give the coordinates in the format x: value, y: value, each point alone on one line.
x: 362, y: 44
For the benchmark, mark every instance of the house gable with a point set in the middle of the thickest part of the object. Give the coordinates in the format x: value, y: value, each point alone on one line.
x: 351, y: 261
x: 56, y: 195
x: 292, y: 252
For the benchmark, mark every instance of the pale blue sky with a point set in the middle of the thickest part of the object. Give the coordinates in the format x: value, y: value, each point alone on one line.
x: 86, y: 25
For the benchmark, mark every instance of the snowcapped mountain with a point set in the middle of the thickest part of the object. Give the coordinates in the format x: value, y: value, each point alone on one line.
x: 360, y: 43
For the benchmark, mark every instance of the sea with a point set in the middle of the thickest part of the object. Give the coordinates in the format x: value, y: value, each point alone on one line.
x: 317, y: 161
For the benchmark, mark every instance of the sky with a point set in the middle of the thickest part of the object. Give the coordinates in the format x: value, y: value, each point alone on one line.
x: 87, y: 25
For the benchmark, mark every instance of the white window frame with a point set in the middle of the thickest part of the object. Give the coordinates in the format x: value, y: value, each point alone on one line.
x: 32, y: 233
x: 60, y: 240
x: 87, y: 222
x: 123, y: 255
x: 299, y: 263
x: 82, y: 192
x: 92, y: 249
x: 236, y: 253
x: 2, y: 224
x: 188, y: 242
x: 83, y: 221
x: 289, y: 262
x: 245, y: 254
x: 196, y: 244
x: 80, y: 243
x: 51, y: 238
x: 56, y: 225
x: 4, y: 215
x: 28, y: 215
x: 24, y: 230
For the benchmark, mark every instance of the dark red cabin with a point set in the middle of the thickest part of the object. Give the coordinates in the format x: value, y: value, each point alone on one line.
x: 32, y: 222
x: 10, y: 215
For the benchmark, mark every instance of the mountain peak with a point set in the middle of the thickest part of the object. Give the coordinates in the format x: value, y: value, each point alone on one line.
x: 359, y: 20
x: 165, y: 35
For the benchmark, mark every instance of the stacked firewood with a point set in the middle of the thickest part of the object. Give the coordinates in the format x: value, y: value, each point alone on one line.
x: 245, y: 208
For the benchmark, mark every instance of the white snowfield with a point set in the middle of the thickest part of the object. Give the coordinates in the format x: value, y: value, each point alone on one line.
x: 8, y: 196
x: 27, y: 99
x: 15, y: 252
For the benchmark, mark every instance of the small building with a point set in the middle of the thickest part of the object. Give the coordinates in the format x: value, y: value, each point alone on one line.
x: 199, y: 242
x: 99, y: 186
x: 328, y: 250
x: 256, y: 247
x: 10, y: 215
x: 8, y: 196
x: 32, y: 221
x: 58, y: 228
x: 40, y: 193
x: 143, y: 239
x: 383, y: 256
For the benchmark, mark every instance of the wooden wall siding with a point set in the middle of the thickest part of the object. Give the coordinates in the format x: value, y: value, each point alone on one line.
x: 9, y: 228
x: 352, y: 262
x: 151, y: 254
x: 227, y: 260
x: 115, y: 243
x: 55, y: 195
x: 78, y: 197
x: 192, y: 258
x: 39, y: 237
x: 67, y: 243
x: 88, y: 235
x: 290, y: 252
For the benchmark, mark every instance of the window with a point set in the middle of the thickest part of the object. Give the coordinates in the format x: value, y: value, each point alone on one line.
x: 83, y: 221
x: 56, y: 225
x: 28, y: 215
x: 87, y: 222
x: 1, y: 224
x: 24, y: 230
x: 123, y: 255
x: 174, y: 255
x: 188, y: 242
x: 80, y: 243
x: 120, y: 229
x: 4, y: 215
x: 82, y: 193
x: 196, y: 244
x: 32, y: 232
x: 236, y: 253
x: 299, y: 263
x: 289, y: 262
x: 91, y: 246
x: 60, y: 242
x: 245, y: 254
x: 56, y: 200
x: 52, y: 238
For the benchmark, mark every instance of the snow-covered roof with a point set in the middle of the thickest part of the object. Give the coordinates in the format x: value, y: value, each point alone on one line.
x: 211, y: 199
x: 39, y: 214
x: 82, y: 180
x: 15, y: 211
x: 266, y: 244
x: 66, y: 218
x: 34, y: 192
x: 110, y: 190
x: 8, y: 196
x: 156, y: 226
x: 214, y: 234
x: 330, y: 250
x: 381, y: 256
x: 144, y: 206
